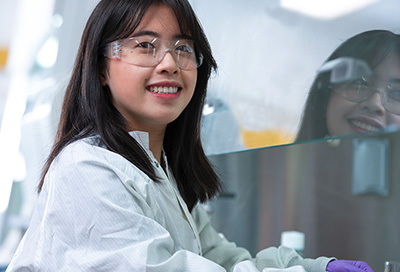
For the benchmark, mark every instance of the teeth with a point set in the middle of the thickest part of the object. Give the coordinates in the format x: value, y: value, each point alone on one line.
x: 364, y: 126
x: 164, y: 90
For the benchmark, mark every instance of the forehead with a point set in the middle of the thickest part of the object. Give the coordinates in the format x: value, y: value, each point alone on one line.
x: 389, y: 69
x: 161, y: 20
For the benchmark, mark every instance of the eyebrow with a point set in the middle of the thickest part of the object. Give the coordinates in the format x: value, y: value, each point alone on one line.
x: 157, y: 35
x: 394, y: 80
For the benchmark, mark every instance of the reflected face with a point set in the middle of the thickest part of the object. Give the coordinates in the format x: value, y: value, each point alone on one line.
x: 346, y: 117
x: 149, y: 98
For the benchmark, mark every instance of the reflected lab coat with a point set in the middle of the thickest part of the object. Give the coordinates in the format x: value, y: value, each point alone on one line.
x: 98, y: 212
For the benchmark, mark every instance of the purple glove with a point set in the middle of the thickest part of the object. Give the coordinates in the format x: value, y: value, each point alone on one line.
x: 348, y: 266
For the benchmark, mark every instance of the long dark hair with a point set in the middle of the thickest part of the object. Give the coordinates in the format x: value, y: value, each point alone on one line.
x: 87, y: 107
x: 372, y: 46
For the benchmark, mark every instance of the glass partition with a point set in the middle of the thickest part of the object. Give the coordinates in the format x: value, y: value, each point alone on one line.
x: 342, y: 195
x: 269, y: 54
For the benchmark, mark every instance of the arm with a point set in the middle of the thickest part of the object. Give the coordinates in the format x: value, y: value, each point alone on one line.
x: 227, y: 254
x: 215, y: 246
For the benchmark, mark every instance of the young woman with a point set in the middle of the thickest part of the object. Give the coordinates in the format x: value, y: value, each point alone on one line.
x: 364, y: 105
x: 121, y: 187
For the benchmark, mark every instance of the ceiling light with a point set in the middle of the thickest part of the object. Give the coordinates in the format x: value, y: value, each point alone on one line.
x: 326, y: 9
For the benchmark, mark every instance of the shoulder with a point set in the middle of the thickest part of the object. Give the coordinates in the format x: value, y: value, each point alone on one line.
x: 88, y: 161
x: 90, y: 148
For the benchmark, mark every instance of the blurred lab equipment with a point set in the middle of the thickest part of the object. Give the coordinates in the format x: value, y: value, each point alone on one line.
x: 218, y: 120
x: 293, y: 239
x: 38, y: 75
x: 371, y: 166
x: 392, y: 266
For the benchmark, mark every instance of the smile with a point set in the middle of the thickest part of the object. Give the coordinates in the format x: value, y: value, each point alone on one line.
x: 364, y: 126
x: 163, y: 90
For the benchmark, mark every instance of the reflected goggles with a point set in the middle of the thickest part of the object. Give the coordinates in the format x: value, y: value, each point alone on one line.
x: 359, y: 91
x: 149, y: 51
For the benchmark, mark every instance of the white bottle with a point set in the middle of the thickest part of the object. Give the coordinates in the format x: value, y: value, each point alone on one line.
x: 293, y: 239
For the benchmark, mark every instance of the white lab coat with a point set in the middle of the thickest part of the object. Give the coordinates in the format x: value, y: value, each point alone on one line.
x: 98, y: 212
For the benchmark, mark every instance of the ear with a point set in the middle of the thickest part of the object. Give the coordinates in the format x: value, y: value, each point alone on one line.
x: 103, y: 78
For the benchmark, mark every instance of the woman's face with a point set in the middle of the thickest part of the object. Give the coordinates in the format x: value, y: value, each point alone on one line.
x: 149, y: 98
x: 346, y: 117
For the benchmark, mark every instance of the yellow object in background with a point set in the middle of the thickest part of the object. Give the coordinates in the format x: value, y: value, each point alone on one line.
x: 3, y: 57
x: 262, y: 138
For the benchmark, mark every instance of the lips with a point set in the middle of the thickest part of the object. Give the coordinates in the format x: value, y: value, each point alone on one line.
x: 163, y: 89
x: 365, y: 126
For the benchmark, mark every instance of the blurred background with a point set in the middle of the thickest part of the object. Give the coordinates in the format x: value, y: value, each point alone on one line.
x: 268, y: 52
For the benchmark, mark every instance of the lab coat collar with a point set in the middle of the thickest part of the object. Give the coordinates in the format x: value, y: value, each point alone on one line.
x: 142, y: 137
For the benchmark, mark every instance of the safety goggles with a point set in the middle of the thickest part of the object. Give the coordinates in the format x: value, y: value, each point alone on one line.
x: 148, y: 51
x: 358, y: 91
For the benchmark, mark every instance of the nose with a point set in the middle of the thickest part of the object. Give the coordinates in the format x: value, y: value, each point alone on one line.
x: 167, y: 62
x: 374, y: 104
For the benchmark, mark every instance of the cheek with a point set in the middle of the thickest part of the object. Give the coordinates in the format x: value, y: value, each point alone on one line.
x: 394, y: 120
x: 333, y: 108
x: 330, y: 117
x: 124, y: 81
x: 190, y: 80
x: 339, y: 107
x: 336, y: 113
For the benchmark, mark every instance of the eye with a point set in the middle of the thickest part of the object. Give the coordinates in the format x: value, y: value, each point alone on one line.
x: 141, y: 43
x: 359, y: 82
x: 394, y: 93
x: 184, y: 46
x: 145, y: 45
x: 358, y: 87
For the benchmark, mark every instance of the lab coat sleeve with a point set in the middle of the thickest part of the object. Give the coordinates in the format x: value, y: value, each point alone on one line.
x: 283, y: 257
x: 217, y: 248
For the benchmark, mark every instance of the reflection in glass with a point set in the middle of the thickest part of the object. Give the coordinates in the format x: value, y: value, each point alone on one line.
x: 365, y: 103
x: 269, y: 53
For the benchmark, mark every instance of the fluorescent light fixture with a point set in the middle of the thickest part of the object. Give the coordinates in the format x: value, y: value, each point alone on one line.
x: 326, y: 9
